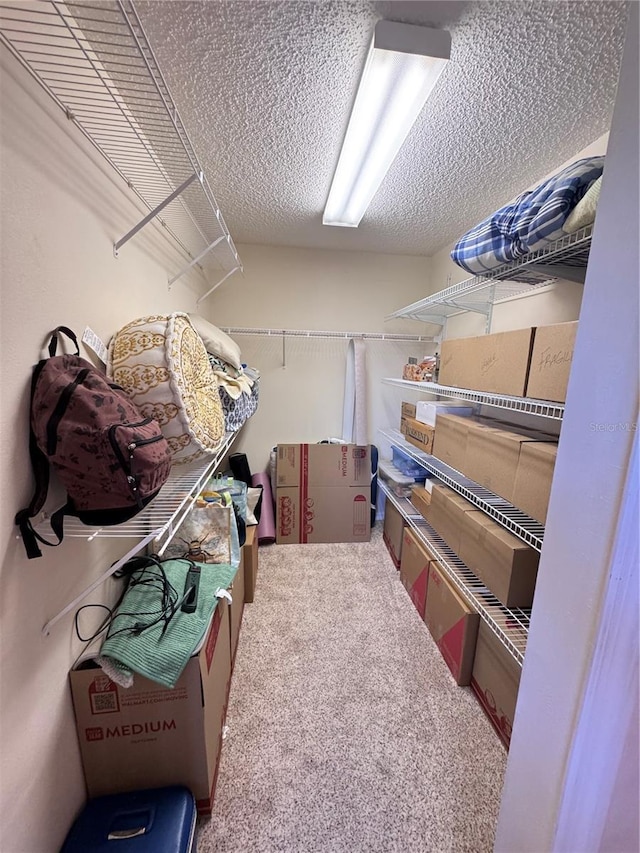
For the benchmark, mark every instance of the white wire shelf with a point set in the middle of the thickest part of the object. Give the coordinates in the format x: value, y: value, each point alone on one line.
x: 154, y: 526
x: 514, y: 520
x: 524, y: 405
x: 510, y: 625
x: 95, y: 61
x: 566, y: 258
x: 313, y: 333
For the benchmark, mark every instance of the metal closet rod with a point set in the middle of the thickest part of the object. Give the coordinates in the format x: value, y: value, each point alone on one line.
x: 314, y: 333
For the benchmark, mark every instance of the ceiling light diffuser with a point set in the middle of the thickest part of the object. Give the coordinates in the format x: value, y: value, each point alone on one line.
x: 402, y: 67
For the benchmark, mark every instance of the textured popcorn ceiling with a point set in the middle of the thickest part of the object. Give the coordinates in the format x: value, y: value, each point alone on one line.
x: 265, y: 90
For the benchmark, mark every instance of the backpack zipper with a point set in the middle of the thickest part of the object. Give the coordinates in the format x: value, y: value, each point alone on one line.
x: 131, y: 447
x: 60, y: 409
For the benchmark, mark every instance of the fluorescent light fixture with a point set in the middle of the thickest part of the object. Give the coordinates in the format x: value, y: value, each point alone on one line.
x: 401, y: 70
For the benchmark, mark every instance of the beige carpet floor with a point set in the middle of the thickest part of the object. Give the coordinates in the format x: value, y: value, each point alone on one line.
x: 346, y: 732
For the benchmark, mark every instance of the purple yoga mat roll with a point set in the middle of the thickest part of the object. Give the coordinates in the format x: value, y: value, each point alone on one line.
x: 267, y: 523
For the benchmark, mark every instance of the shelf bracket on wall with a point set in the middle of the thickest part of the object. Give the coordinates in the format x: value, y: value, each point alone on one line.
x: 215, y: 286
x: 156, y: 210
x: 195, y: 260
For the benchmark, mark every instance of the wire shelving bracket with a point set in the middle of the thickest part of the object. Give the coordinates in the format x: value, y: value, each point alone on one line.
x: 95, y: 61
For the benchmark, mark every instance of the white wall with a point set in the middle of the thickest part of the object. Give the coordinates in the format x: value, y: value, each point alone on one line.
x: 550, y: 788
x: 286, y: 288
x: 62, y: 209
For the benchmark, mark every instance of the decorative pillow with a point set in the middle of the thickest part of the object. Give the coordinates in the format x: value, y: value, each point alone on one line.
x: 584, y: 213
x: 162, y: 364
x: 216, y: 341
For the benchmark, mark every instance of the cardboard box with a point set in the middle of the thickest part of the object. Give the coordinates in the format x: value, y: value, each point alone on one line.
x: 323, y: 514
x: 408, y: 410
x: 403, y: 426
x: 392, y: 531
x: 495, y: 680
x: 493, y: 455
x: 148, y: 736
x: 445, y: 514
x: 414, y: 569
x: 505, y: 564
x: 551, y: 361
x: 250, y: 563
x: 421, y: 498
x: 236, y: 608
x: 450, y: 439
x: 426, y: 411
x: 534, y: 477
x: 323, y: 465
x: 453, y: 624
x: 497, y: 363
x: 420, y: 435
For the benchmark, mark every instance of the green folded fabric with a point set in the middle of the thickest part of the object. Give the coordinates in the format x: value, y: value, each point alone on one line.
x: 160, y: 656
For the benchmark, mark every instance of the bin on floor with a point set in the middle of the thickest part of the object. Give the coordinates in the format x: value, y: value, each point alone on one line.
x: 156, y: 820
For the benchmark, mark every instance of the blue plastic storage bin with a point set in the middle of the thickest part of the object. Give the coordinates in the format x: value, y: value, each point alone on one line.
x: 155, y: 820
x: 407, y: 465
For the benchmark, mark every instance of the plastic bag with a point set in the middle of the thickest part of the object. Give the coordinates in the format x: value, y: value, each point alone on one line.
x: 209, y: 533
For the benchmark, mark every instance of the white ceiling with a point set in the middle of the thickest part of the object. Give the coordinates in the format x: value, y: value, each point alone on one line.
x: 265, y: 89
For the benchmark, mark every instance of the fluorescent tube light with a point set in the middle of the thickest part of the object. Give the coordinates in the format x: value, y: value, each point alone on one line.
x: 401, y: 70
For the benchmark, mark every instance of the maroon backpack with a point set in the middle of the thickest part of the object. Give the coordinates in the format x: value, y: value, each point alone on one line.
x: 111, y: 460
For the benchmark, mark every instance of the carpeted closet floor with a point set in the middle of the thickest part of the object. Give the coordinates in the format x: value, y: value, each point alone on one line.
x: 346, y: 732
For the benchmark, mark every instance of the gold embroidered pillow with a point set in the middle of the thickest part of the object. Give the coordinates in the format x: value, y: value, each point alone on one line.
x: 162, y: 364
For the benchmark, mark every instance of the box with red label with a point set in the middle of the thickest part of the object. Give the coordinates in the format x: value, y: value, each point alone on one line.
x: 453, y: 624
x: 149, y: 736
x: 323, y: 493
x: 414, y: 568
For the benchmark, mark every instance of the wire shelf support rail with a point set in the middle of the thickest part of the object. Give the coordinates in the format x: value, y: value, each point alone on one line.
x: 524, y: 405
x: 95, y: 61
x: 511, y: 518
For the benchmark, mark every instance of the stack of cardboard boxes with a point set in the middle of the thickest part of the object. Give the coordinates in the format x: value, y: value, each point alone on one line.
x: 148, y: 736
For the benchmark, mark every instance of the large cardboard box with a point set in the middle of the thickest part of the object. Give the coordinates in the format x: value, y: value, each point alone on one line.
x: 450, y: 439
x: 323, y: 493
x: 495, y: 680
x: 534, y: 477
x: 445, y: 514
x: 148, y: 736
x: 236, y: 608
x: 250, y: 563
x: 453, y: 624
x: 419, y: 434
x: 497, y: 363
x: 414, y: 569
x: 392, y: 531
x: 421, y: 497
x: 323, y: 465
x: 551, y: 361
x: 505, y: 564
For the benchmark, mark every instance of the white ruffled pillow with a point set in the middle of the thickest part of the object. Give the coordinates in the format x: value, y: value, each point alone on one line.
x: 216, y: 341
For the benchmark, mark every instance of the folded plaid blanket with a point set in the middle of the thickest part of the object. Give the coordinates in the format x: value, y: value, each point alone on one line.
x: 529, y: 223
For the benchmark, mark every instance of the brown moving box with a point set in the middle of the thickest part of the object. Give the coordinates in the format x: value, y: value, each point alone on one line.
x: 414, y: 569
x: 551, y: 361
x: 450, y: 439
x: 250, y: 563
x: 403, y: 426
x: 505, y: 564
x: 323, y: 493
x: 453, y: 624
x: 236, y: 608
x: 408, y: 410
x: 148, y: 736
x: 420, y: 498
x: 497, y: 363
x: 445, y: 514
x: 495, y: 680
x: 419, y: 434
x: 392, y: 531
x: 534, y: 477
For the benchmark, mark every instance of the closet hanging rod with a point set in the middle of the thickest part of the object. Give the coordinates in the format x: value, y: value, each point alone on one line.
x: 313, y: 333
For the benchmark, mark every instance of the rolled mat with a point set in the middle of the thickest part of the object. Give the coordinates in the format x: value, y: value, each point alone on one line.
x: 267, y: 523
x: 239, y: 465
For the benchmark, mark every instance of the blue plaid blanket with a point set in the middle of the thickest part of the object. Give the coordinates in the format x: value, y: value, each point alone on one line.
x: 529, y: 223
